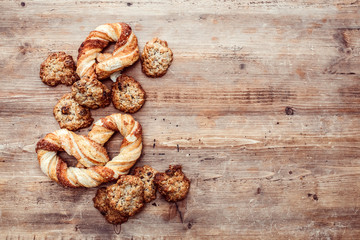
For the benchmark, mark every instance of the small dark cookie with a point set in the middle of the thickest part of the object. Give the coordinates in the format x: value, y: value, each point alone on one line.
x: 147, y: 174
x: 58, y: 68
x: 91, y: 93
x: 127, y: 195
x: 127, y: 94
x: 173, y: 184
x: 156, y: 58
x: 111, y: 215
x: 71, y: 115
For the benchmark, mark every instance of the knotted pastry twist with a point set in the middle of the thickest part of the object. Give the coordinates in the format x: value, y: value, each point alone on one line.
x: 126, y: 50
x: 93, y: 166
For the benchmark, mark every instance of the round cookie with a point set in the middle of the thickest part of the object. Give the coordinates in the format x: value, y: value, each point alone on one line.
x: 91, y: 93
x: 127, y: 195
x: 147, y: 174
x: 71, y: 115
x: 111, y: 215
x: 127, y: 94
x: 58, y: 68
x: 156, y: 58
x: 173, y: 184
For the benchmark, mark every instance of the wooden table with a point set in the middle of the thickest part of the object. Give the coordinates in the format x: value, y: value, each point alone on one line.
x: 261, y: 107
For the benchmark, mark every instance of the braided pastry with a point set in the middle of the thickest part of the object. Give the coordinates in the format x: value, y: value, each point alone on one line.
x: 126, y: 50
x: 131, y: 146
x: 93, y: 166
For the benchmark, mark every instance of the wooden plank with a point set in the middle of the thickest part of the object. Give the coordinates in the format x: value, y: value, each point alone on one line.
x: 260, y: 106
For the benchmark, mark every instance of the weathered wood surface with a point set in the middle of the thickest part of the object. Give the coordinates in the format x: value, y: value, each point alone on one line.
x: 260, y: 106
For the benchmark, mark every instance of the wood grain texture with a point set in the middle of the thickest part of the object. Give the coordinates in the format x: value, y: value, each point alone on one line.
x: 260, y: 106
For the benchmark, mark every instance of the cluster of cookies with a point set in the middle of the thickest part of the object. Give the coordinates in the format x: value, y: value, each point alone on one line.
x: 129, y: 194
x: 72, y: 111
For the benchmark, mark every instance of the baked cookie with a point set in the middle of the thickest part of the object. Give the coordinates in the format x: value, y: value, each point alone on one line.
x: 91, y: 93
x: 71, y: 115
x: 147, y: 174
x: 173, y: 184
x: 127, y: 94
x: 111, y: 215
x: 127, y: 195
x: 156, y: 58
x: 58, y: 68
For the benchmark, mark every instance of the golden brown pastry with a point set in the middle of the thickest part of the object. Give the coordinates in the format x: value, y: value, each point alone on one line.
x: 126, y: 50
x: 95, y: 167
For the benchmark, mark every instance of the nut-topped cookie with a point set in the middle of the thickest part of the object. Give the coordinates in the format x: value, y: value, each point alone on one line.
x: 91, y: 93
x: 71, y: 115
x: 173, y: 184
x: 127, y: 195
x: 127, y: 94
x: 147, y: 175
x: 156, y: 58
x: 58, y: 68
x: 111, y: 215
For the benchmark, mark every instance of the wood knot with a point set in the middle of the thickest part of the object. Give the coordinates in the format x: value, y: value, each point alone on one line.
x: 314, y: 196
x: 289, y: 111
x: 189, y: 225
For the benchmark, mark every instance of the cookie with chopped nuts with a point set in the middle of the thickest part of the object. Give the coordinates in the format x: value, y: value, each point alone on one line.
x: 70, y: 115
x: 91, y: 93
x: 127, y: 94
x: 156, y: 58
x: 127, y: 195
x: 111, y: 215
x: 58, y: 68
x: 173, y: 184
x: 147, y: 174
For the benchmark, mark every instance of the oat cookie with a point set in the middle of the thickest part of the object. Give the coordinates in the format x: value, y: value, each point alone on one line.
x: 156, y: 58
x: 127, y: 94
x: 147, y: 174
x: 173, y: 184
x: 58, y: 68
x: 91, y: 93
x: 111, y: 215
x: 127, y: 195
x: 71, y: 115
